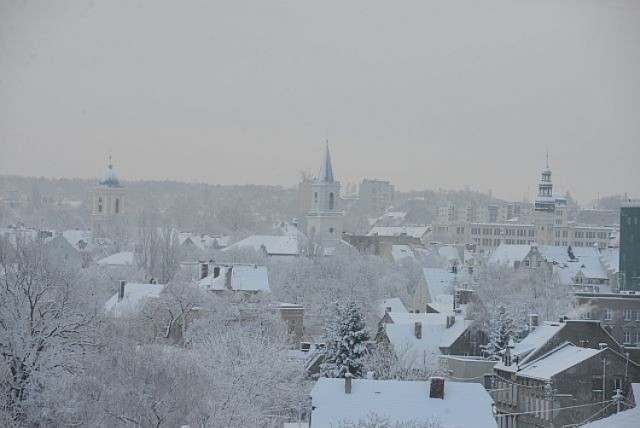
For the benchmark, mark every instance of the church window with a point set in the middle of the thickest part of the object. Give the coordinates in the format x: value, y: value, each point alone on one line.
x: 331, y: 230
x: 330, y: 201
x: 99, y: 205
x: 315, y: 199
x: 117, y: 208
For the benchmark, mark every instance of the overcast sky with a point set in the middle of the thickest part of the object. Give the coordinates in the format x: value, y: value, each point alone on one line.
x: 425, y: 94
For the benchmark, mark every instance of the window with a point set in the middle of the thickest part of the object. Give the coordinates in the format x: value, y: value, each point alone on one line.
x: 527, y: 263
x: 117, y: 209
x: 315, y: 199
x: 638, y: 315
x: 626, y: 337
x: 638, y: 336
x: 608, y: 314
x: 99, y: 205
x: 626, y: 314
x: 539, y: 263
x: 330, y: 201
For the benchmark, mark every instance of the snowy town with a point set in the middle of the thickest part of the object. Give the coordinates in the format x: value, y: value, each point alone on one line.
x: 331, y: 215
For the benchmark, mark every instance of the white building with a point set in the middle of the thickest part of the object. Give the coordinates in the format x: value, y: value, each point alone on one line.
x: 325, y: 219
x: 108, y: 201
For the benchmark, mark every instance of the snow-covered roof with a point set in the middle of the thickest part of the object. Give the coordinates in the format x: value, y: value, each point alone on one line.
x: 134, y: 294
x: 626, y: 419
x: 611, y: 258
x: 451, y: 254
x: 243, y: 278
x: 536, y: 339
x: 394, y: 303
x: 124, y: 258
x: 440, y: 283
x: 509, y: 254
x: 435, y: 334
x: 410, y: 231
x: 400, y: 252
x: 274, y: 245
x: 463, y: 404
x: 79, y: 239
x: 586, y: 260
x: 558, y: 360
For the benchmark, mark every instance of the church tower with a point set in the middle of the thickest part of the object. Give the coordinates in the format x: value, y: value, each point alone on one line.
x: 545, y: 202
x: 108, y: 201
x: 325, y: 219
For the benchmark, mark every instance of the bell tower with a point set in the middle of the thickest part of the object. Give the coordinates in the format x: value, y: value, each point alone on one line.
x: 108, y: 201
x: 325, y: 219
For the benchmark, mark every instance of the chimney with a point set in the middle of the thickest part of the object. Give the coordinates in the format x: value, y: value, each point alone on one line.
x: 417, y: 327
x: 584, y: 343
x: 465, y: 296
x: 370, y: 375
x: 204, y: 270
x: 347, y: 383
x: 451, y: 320
x: 534, y: 321
x: 602, y: 345
x: 227, y: 279
x: 387, y: 309
x: 121, y: 285
x: 436, y: 389
x: 216, y: 271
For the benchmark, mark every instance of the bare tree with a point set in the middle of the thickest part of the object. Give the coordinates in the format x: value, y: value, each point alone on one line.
x: 42, y: 329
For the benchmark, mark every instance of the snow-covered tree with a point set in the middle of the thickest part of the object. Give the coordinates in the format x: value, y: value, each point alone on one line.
x: 346, y: 342
x: 44, y: 333
x: 503, y: 330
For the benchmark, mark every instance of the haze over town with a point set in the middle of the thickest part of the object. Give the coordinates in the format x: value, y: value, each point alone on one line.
x: 427, y: 94
x: 289, y: 214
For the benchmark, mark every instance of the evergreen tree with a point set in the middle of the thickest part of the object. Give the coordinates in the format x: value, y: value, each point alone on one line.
x: 346, y: 336
x: 502, y: 331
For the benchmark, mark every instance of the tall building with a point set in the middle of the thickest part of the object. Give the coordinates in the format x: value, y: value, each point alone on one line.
x: 375, y: 196
x: 108, y: 201
x: 630, y: 248
x: 545, y: 201
x: 325, y: 219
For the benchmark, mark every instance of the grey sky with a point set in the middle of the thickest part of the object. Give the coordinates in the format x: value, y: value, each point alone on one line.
x: 425, y: 94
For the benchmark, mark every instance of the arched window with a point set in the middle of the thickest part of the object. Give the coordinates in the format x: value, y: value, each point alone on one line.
x: 330, y: 201
x: 315, y: 199
x: 99, y: 205
x: 117, y: 209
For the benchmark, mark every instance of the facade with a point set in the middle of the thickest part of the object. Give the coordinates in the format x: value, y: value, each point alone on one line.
x: 565, y: 386
x: 620, y: 313
x: 630, y: 248
x: 375, y: 196
x: 325, y: 219
x: 108, y: 202
x: 546, y: 224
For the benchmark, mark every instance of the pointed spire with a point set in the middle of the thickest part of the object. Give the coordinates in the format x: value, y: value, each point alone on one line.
x: 326, y: 172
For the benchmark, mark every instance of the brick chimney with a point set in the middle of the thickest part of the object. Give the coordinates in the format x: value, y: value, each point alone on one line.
x: 534, y: 321
x: 347, y: 383
x: 436, y: 388
x: 451, y: 320
x: 227, y: 278
x: 417, y: 328
x: 121, y: 285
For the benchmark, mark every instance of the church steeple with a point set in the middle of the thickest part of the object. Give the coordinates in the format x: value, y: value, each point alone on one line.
x: 326, y: 172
